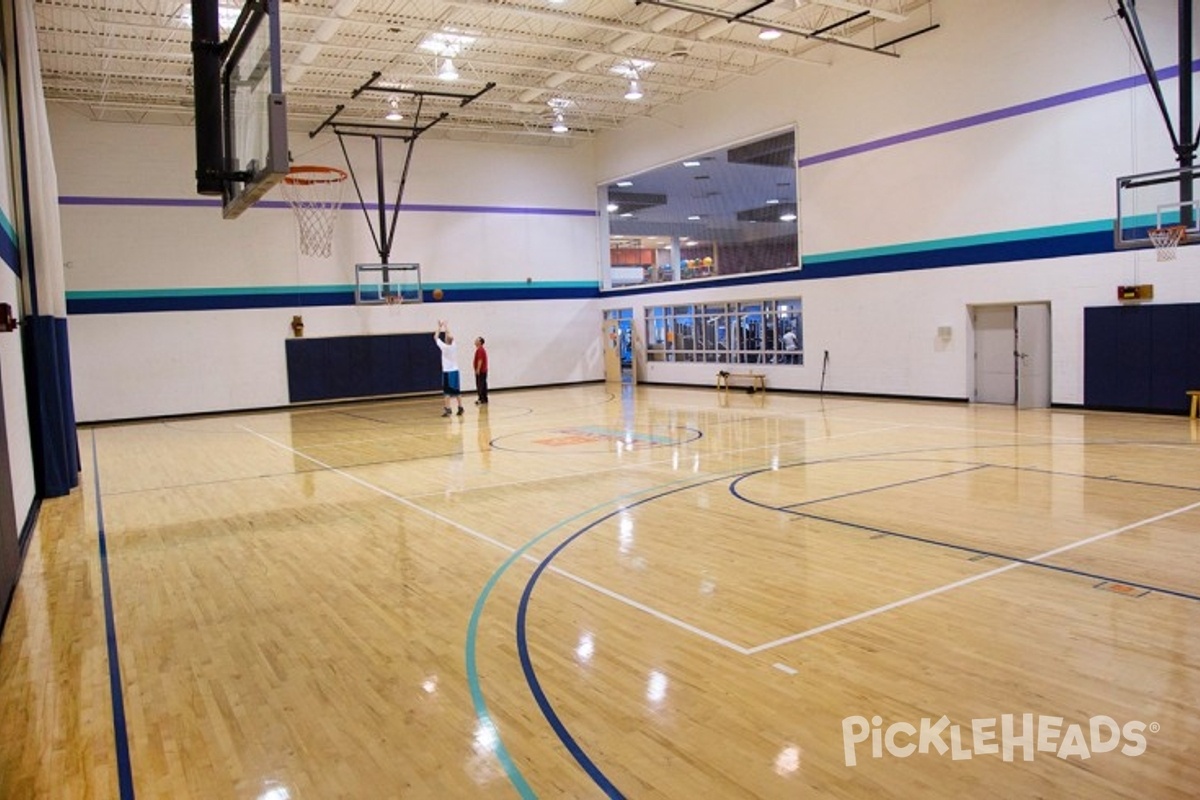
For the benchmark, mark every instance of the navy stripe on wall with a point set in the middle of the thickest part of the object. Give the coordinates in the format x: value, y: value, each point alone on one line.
x: 1073, y: 243
x: 1035, y: 247
x: 139, y: 302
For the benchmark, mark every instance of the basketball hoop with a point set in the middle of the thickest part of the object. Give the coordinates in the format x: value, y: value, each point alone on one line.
x: 315, y: 194
x: 1166, y: 240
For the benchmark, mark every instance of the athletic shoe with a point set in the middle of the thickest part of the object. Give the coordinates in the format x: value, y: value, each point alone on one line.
x: 445, y: 412
x: 460, y: 411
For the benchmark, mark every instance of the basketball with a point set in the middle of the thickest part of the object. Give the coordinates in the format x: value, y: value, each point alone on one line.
x: 437, y: 294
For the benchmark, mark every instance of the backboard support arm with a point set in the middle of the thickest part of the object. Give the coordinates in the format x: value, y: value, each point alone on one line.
x: 385, y: 235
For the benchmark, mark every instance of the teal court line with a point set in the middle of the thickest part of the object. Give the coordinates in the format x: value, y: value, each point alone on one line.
x: 481, y: 711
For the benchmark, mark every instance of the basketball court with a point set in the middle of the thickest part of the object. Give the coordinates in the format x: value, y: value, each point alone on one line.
x: 606, y: 591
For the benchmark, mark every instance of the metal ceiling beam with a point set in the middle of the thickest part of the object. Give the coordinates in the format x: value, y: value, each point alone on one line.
x: 761, y: 23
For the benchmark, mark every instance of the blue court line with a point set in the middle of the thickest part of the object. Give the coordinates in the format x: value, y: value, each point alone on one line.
x: 910, y: 537
x: 535, y: 686
x: 952, y: 473
x: 522, y: 615
x: 477, y: 699
x: 120, y: 735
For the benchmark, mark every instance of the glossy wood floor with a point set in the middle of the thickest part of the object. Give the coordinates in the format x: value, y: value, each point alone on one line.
x: 591, y: 591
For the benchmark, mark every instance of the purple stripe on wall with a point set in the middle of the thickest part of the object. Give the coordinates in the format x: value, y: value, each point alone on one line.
x: 1020, y: 109
x: 81, y: 200
x: 71, y: 200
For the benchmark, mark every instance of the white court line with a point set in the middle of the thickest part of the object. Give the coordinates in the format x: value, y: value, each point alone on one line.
x: 965, y: 581
x: 712, y: 637
x: 678, y: 622
x: 391, y: 495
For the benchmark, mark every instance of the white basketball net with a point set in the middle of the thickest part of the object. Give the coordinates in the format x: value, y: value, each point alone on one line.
x: 315, y: 194
x: 1166, y: 240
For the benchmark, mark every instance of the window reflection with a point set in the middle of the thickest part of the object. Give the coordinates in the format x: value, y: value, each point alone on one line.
x: 656, y: 687
x: 728, y: 212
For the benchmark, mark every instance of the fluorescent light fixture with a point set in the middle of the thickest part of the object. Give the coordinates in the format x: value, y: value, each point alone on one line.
x: 394, y: 114
x: 560, y: 125
x: 611, y: 207
x: 691, y: 163
x: 769, y: 34
x: 694, y: 217
x: 772, y: 202
x: 633, y: 69
x: 635, y: 91
x: 227, y: 16
x: 448, y: 72
x: 447, y: 43
x: 624, y: 184
x: 787, y: 217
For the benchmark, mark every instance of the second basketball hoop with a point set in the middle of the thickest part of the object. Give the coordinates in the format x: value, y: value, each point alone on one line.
x: 315, y: 195
x: 1166, y: 240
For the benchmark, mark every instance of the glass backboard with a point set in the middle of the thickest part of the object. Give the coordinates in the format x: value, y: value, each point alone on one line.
x: 253, y: 108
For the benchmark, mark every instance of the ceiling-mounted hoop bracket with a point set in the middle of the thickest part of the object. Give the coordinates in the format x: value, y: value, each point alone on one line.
x: 415, y: 129
x: 378, y: 132
x: 819, y: 35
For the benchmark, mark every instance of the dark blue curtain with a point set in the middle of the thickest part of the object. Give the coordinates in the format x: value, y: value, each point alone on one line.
x: 52, y: 410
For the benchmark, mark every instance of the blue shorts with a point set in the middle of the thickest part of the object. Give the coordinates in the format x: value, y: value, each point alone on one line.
x: 450, y: 386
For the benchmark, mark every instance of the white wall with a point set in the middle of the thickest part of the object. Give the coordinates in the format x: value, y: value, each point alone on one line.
x: 1051, y: 167
x: 484, y: 217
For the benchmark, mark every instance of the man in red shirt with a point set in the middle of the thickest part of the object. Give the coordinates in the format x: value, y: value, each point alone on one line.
x: 481, y: 370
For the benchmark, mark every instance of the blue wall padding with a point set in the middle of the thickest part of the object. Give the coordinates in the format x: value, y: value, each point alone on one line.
x: 1141, y: 358
x: 362, y: 366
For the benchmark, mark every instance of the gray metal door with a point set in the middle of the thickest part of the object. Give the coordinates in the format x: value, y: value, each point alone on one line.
x: 995, y: 342
x: 1033, y: 355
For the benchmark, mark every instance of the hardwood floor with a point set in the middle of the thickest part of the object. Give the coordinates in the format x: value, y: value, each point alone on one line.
x: 589, y: 591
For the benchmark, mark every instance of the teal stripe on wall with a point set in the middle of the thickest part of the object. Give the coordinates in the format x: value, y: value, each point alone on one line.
x: 975, y: 240
x: 8, y: 244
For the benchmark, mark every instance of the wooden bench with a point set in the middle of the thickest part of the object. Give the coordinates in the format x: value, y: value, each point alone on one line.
x: 1195, y: 395
x: 757, y: 380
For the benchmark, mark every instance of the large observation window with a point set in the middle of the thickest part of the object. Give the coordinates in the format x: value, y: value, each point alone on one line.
x: 727, y: 212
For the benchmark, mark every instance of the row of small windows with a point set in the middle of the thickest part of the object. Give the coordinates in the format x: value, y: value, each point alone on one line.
x: 746, y: 332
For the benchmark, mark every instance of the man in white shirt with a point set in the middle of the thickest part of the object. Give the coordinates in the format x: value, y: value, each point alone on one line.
x: 789, y: 344
x: 451, y: 387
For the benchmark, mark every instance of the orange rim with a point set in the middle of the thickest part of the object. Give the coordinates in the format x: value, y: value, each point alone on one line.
x: 308, y: 175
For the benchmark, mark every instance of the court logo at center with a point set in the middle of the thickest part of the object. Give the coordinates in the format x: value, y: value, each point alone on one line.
x: 597, y: 439
x: 1027, y: 733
